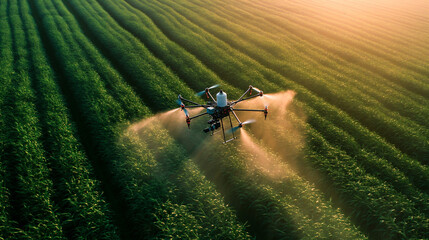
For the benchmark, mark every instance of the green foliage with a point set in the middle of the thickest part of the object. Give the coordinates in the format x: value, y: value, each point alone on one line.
x: 360, y: 77
x: 83, y: 212
x: 29, y: 184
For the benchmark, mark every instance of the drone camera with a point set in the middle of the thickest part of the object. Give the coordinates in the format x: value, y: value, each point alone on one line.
x: 212, y: 127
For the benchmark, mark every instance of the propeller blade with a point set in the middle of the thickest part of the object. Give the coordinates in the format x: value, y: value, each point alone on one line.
x: 186, y: 112
x: 204, y: 91
x: 199, y: 94
x: 179, y: 102
x: 231, y: 130
x: 248, y: 121
x: 257, y: 89
x: 214, y: 86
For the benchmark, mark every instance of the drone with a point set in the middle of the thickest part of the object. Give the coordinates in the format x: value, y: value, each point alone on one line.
x: 221, y: 108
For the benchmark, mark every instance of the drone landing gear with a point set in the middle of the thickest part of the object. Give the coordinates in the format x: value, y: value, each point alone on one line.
x: 223, y: 130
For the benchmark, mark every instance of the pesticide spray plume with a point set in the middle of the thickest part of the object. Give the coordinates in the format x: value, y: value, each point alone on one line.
x: 269, y: 146
x: 261, y: 159
x: 279, y: 132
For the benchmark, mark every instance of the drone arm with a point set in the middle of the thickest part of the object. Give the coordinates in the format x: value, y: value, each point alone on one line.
x: 249, y: 110
x: 244, y: 99
x: 199, y: 115
x: 196, y: 106
x: 208, y: 92
x: 189, y: 101
x: 242, y: 96
x: 235, y: 115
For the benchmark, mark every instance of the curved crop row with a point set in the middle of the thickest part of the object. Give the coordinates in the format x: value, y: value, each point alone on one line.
x: 7, y: 225
x: 73, y: 176
x: 29, y: 181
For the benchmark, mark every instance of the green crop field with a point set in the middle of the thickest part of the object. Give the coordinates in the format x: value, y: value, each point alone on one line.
x: 94, y: 146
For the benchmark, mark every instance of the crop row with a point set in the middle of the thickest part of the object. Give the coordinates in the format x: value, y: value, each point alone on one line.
x: 7, y: 225
x: 150, y: 203
x: 399, y: 131
x: 83, y: 212
x: 28, y: 181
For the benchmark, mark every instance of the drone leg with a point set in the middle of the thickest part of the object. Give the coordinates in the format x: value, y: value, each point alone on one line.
x: 230, y: 121
x: 235, y: 115
x: 223, y: 130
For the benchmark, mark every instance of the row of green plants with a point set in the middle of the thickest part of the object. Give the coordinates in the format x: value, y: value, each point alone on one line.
x: 82, y: 210
x: 29, y: 183
x: 405, y: 134
x: 7, y: 225
x: 149, y: 199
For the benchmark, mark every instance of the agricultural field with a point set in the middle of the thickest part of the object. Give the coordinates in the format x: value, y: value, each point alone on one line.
x: 94, y: 146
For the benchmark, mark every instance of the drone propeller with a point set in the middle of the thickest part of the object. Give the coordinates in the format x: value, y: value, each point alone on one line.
x: 204, y: 91
x: 241, y: 125
x: 182, y: 106
x: 186, y: 112
x: 257, y: 89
